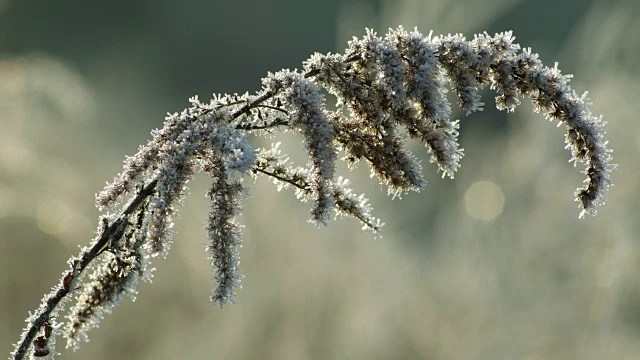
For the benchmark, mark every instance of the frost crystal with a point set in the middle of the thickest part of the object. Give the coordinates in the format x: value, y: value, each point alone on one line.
x: 386, y: 89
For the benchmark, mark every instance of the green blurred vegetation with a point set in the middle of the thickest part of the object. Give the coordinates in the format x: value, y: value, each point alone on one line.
x: 492, y: 265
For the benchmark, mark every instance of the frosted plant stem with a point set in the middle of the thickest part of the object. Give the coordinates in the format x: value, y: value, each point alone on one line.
x: 111, y: 232
x: 386, y: 88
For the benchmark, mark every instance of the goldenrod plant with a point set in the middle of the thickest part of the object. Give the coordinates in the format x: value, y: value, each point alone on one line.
x: 387, y: 89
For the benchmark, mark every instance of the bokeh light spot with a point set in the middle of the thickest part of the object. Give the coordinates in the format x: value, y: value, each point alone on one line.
x: 484, y: 200
x: 52, y: 215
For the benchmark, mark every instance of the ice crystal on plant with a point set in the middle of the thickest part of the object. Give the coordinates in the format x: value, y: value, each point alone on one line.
x: 384, y: 87
x: 305, y: 105
x: 225, y: 196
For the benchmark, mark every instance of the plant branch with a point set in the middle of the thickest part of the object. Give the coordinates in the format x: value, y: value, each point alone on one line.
x: 305, y: 187
x: 384, y: 83
x: 247, y: 127
x: 110, y: 233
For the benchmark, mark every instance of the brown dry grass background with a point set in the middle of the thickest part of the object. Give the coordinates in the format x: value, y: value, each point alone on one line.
x: 492, y: 265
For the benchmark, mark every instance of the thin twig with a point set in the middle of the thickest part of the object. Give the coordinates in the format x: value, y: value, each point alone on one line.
x: 305, y: 187
x: 283, y: 179
x: 248, y: 127
x: 111, y: 232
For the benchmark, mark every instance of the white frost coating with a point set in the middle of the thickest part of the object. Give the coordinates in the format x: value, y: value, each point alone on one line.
x: 457, y: 57
x: 223, y: 232
x: 384, y: 88
x: 305, y: 103
x: 272, y: 162
x: 427, y: 89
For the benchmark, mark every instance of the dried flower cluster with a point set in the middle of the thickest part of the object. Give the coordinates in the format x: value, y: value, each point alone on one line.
x: 386, y: 89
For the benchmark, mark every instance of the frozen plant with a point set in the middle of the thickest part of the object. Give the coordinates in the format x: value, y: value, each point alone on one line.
x: 387, y: 89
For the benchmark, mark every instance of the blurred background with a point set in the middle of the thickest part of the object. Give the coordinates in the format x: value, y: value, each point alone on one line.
x: 492, y: 265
